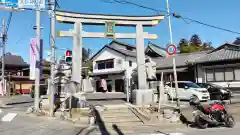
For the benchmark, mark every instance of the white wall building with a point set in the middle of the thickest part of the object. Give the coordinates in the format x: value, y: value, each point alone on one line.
x: 115, y: 63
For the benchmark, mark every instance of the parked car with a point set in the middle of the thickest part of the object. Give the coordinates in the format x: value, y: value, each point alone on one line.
x: 42, y: 89
x: 217, y: 92
x: 187, y: 89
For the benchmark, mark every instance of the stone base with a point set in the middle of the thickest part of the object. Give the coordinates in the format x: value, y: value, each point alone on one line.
x: 142, y: 96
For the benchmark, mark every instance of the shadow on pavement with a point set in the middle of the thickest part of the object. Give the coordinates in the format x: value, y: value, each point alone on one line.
x: 100, y: 122
x: 116, y: 128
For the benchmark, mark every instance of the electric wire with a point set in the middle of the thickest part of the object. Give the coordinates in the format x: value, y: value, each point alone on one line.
x: 172, y: 14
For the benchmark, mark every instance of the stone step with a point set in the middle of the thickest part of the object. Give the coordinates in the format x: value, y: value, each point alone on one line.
x: 125, y: 132
x: 134, y: 125
x: 125, y: 125
x: 120, y: 120
x: 117, y: 111
x: 118, y: 115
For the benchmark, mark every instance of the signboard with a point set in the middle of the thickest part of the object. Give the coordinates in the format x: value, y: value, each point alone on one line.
x: 9, y: 3
x: 31, y: 4
x: 109, y: 29
x: 33, y: 63
x: 171, y: 49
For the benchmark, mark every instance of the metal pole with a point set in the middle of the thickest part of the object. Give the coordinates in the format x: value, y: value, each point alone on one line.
x: 3, y: 51
x: 169, y: 23
x: 53, y: 58
x: 171, y: 87
x: 38, y: 38
x: 174, y: 61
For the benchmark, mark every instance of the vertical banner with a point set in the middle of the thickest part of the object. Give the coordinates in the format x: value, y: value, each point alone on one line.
x: 33, y: 46
x: 33, y: 63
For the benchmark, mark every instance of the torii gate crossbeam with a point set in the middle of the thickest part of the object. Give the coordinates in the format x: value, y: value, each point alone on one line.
x: 139, y: 22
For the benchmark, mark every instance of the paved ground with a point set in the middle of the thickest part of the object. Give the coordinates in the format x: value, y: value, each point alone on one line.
x: 210, y: 131
x: 12, y: 122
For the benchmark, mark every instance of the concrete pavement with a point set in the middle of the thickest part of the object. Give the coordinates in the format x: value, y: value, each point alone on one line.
x: 12, y: 123
x: 18, y: 99
x: 210, y: 131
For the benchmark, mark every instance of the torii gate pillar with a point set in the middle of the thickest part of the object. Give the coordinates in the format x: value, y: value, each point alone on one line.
x: 142, y: 81
x: 77, y: 53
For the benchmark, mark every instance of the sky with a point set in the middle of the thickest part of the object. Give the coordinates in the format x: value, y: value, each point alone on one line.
x: 222, y: 13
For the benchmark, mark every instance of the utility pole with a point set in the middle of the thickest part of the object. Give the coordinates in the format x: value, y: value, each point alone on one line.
x: 4, y: 36
x: 52, y: 4
x: 38, y: 38
x: 174, y: 61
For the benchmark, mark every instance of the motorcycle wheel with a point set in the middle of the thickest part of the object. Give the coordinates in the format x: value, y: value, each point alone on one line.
x: 229, y: 121
x: 200, y: 122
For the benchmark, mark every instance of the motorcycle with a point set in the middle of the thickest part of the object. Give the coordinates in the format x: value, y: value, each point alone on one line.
x: 214, y: 114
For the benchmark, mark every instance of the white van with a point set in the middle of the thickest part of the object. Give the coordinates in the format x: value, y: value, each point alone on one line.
x: 186, y: 89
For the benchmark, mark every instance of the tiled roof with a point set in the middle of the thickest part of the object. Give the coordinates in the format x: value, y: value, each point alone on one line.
x: 123, y: 44
x: 181, y: 59
x: 117, y: 49
x: 159, y: 50
x: 220, y: 55
x: 224, y: 52
x: 123, y: 51
x: 14, y: 60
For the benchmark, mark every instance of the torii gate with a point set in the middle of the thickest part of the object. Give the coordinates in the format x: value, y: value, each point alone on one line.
x: 79, y: 19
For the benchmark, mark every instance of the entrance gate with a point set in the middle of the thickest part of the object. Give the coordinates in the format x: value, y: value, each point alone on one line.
x: 77, y: 34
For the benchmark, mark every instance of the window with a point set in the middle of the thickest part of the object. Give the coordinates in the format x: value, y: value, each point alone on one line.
x: 105, y: 64
x: 223, y: 74
x: 110, y: 64
x: 130, y: 63
x: 109, y: 85
x: 171, y: 84
x: 119, y: 85
x: 191, y: 85
x: 210, y: 76
x: 101, y: 65
x: 229, y: 74
x: 219, y: 74
x: 237, y: 73
x: 181, y: 85
x: 202, y: 85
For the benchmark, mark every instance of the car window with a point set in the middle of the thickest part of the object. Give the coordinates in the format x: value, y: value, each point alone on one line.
x: 181, y: 85
x: 201, y: 85
x: 169, y: 85
x: 216, y: 86
x: 208, y: 86
x: 191, y: 85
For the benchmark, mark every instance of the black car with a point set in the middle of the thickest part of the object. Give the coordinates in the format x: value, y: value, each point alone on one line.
x: 217, y: 92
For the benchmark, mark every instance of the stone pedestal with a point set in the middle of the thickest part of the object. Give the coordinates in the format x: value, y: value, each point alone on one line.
x: 142, y: 96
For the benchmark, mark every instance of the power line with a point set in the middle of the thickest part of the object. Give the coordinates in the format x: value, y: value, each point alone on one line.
x: 173, y: 14
x: 196, y: 21
x: 134, y: 4
x: 9, y: 22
